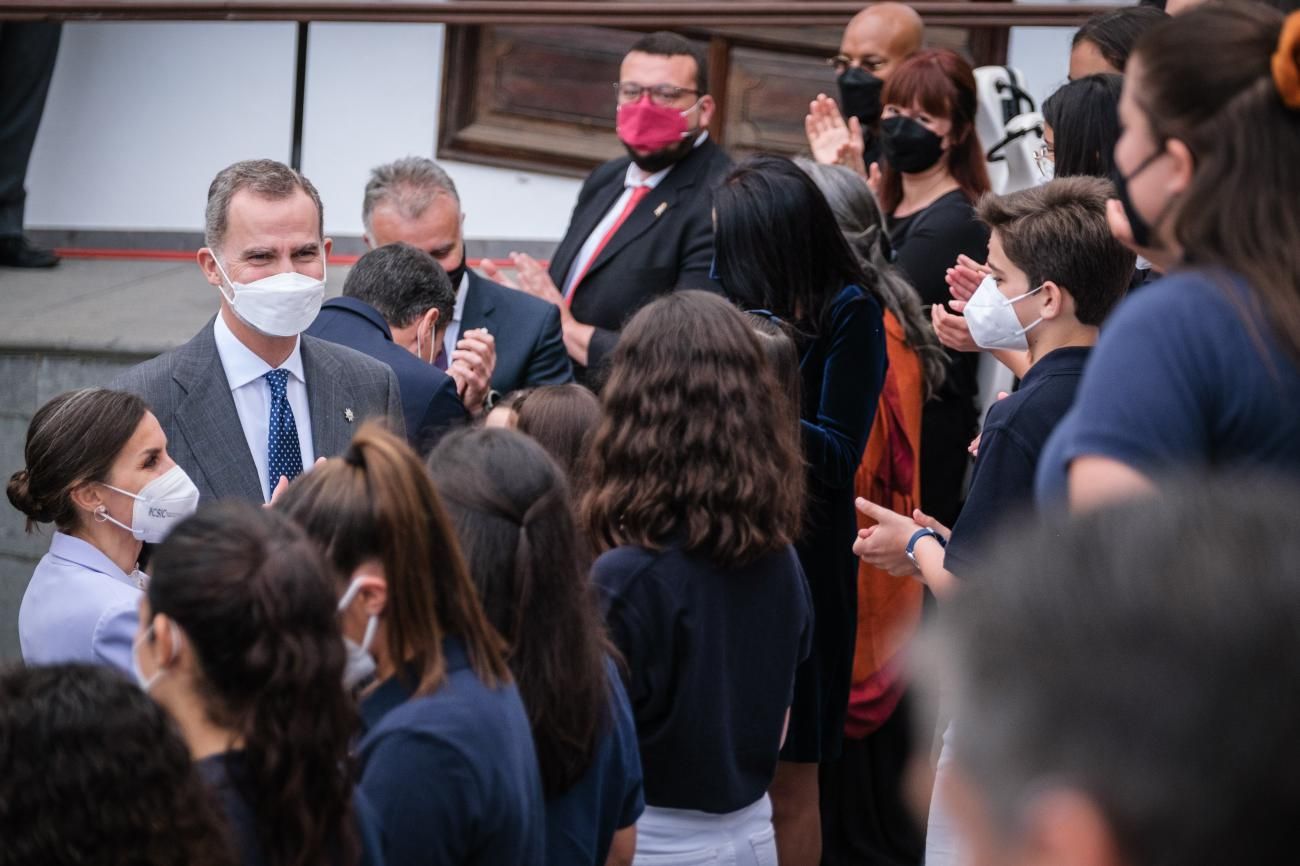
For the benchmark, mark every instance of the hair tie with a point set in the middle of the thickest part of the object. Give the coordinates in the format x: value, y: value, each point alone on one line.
x: 1286, y: 62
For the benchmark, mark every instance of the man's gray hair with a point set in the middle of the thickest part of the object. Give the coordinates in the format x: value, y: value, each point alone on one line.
x: 410, y: 184
x: 263, y: 177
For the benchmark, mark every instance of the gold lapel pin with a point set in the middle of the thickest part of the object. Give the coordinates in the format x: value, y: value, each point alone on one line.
x: 347, y: 413
x: 659, y: 211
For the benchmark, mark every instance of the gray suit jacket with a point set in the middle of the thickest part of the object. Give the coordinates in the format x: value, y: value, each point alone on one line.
x: 187, y: 391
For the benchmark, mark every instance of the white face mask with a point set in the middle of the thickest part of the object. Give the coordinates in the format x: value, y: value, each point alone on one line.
x: 147, y: 683
x: 159, y: 506
x: 360, y: 664
x: 992, y: 319
x: 281, y: 305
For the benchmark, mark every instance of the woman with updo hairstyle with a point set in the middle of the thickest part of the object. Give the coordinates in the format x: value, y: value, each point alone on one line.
x: 447, y: 757
x: 239, y: 641
x: 512, y: 510
x: 95, y: 772
x: 695, y: 499
x: 98, y: 469
x: 1200, y: 371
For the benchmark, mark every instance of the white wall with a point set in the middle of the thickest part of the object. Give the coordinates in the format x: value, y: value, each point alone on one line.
x: 141, y: 116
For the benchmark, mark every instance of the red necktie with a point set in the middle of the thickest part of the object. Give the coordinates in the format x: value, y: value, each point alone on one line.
x: 638, y: 193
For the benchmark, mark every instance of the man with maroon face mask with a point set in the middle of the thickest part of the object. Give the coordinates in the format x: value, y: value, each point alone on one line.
x: 643, y: 224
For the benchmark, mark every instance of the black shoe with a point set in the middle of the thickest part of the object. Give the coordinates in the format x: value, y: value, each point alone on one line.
x: 17, y: 252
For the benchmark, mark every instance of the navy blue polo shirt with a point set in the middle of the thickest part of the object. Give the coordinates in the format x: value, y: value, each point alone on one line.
x: 1015, y: 433
x: 1189, y: 375
x: 581, y: 822
x: 227, y: 776
x: 452, y: 776
x: 710, y: 657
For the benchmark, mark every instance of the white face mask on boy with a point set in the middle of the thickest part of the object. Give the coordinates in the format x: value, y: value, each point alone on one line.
x: 991, y: 317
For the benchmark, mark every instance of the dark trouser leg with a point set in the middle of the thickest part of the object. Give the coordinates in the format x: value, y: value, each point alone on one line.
x: 27, y: 53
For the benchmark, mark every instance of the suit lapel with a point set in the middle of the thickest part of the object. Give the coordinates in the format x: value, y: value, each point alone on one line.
x: 478, y: 306
x: 208, y: 421
x: 584, y: 223
x: 330, y: 433
x: 661, y: 200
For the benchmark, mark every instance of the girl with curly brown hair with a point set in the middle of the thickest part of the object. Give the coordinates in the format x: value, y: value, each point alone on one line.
x: 695, y: 492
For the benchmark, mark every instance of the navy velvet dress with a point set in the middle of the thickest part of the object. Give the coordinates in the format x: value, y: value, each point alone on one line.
x: 843, y: 371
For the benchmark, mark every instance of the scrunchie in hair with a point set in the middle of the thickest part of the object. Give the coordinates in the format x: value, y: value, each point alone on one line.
x: 1286, y: 62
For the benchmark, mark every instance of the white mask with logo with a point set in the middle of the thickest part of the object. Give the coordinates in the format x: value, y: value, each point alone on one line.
x: 281, y: 305
x: 159, y: 506
x: 991, y: 317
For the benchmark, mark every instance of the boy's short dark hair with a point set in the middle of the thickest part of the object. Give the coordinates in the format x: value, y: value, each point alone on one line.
x: 665, y: 44
x: 1058, y: 232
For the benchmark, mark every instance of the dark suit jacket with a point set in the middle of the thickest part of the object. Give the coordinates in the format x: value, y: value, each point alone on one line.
x: 429, y: 399
x: 530, y: 343
x: 665, y: 244
x: 188, y: 392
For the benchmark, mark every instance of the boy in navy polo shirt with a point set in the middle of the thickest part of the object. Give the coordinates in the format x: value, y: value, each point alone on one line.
x: 1055, y: 273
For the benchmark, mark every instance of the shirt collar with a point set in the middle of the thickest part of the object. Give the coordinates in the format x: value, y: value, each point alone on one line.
x: 87, y: 555
x: 242, y: 365
x: 462, y: 292
x: 637, y: 177
x: 1067, y: 359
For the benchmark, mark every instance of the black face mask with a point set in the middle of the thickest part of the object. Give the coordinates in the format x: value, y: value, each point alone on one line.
x: 860, y: 95
x: 908, y: 146
x: 1142, y: 230
x: 457, y: 273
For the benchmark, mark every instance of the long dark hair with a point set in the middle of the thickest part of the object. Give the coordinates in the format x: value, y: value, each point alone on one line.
x: 863, y: 225
x: 943, y: 84
x: 692, y: 443
x: 73, y: 439
x: 377, y: 502
x: 1084, y: 116
x: 96, y: 772
x: 252, y: 596
x: 511, y: 507
x: 777, y: 243
x: 1242, y: 208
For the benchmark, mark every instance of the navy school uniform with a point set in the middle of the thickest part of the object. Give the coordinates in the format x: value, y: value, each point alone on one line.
x: 581, y: 822
x: 710, y: 658
x: 452, y: 775
x: 1188, y: 376
x: 1015, y: 433
x: 225, y: 776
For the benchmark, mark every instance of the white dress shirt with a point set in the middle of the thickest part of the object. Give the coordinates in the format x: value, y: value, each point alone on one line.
x: 252, y: 394
x: 452, y: 335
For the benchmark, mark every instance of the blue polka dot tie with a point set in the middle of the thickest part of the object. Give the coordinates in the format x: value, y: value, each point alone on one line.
x: 284, y: 455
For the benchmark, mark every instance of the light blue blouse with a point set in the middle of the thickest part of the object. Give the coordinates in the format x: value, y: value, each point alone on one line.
x: 79, y: 607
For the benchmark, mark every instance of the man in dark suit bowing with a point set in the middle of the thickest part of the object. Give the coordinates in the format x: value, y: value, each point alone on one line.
x: 414, y: 201
x: 643, y: 224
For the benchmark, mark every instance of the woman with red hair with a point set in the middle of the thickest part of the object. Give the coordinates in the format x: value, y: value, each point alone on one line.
x: 933, y: 175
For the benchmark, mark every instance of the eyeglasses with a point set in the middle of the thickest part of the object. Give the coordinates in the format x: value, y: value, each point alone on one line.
x: 665, y: 95
x: 1045, y: 159
x: 841, y: 63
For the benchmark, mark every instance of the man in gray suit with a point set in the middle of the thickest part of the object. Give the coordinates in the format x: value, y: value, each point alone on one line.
x: 250, y: 401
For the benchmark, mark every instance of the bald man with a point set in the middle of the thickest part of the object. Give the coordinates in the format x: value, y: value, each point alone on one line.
x: 875, y: 41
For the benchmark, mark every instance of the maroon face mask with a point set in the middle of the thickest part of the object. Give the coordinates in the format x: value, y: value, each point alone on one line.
x: 645, y: 126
